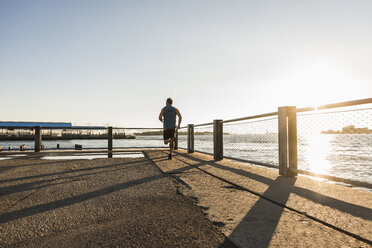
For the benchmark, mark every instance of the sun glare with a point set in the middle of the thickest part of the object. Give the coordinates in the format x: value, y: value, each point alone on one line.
x: 319, y: 79
x: 317, y: 152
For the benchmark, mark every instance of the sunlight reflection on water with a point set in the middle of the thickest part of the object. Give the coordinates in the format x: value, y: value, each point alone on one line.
x: 346, y: 155
x: 317, y: 152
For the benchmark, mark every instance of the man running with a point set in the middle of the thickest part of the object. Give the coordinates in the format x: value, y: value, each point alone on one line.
x: 168, y: 117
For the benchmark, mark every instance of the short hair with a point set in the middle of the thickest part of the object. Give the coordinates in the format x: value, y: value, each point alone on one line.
x: 170, y: 101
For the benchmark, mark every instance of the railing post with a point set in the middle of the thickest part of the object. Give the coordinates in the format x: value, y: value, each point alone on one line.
x: 283, y: 140
x: 287, y: 126
x: 176, y: 139
x: 292, y: 141
x: 109, y: 138
x: 37, y: 139
x: 217, y: 140
x: 190, y: 138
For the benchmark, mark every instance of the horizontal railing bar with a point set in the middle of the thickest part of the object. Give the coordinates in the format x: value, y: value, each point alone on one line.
x: 306, y: 109
x: 16, y: 151
x: 207, y: 153
x: 84, y: 128
x: 251, y: 117
x: 204, y: 124
x: 144, y: 128
x: 58, y: 128
x: 252, y: 162
x: 103, y: 148
x: 139, y: 128
x: 335, y: 112
x: 95, y: 152
x: 337, y: 179
x: 336, y: 105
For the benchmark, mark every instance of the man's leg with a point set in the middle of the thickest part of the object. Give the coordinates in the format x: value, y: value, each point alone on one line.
x: 171, y: 146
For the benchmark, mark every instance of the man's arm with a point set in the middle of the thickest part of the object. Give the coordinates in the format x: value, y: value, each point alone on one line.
x: 179, y: 118
x: 161, y: 115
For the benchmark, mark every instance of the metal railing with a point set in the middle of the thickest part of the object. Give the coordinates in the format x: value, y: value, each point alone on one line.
x: 313, y: 141
x: 78, y: 138
x: 306, y: 140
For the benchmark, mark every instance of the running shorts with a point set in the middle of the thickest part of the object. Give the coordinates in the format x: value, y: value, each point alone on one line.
x: 168, y: 133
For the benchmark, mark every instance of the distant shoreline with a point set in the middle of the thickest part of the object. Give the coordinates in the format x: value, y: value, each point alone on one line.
x: 349, y: 130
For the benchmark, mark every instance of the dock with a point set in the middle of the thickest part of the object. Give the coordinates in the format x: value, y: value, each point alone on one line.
x: 189, y: 201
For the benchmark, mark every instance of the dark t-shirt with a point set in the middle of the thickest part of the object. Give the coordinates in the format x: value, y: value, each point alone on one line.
x: 169, y: 117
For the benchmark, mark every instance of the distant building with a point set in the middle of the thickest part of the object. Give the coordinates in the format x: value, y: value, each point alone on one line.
x: 23, y: 124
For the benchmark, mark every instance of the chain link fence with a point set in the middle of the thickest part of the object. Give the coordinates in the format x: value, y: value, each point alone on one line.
x: 253, y: 140
x: 182, y: 138
x: 336, y: 142
x: 124, y: 138
x: 203, y: 138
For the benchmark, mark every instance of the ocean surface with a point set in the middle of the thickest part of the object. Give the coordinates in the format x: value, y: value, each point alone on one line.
x: 342, y: 155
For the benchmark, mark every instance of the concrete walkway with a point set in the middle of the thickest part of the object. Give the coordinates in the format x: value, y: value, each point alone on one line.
x: 255, y: 207
x: 119, y: 202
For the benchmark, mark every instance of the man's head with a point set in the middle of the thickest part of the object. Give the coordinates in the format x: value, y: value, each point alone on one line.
x: 169, y: 101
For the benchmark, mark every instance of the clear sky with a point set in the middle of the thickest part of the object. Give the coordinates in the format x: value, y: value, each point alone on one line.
x: 116, y: 62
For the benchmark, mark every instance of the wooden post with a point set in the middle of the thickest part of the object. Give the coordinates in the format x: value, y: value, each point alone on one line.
x: 283, y: 140
x: 176, y: 139
x: 190, y: 138
x: 287, y: 127
x: 109, y: 138
x: 217, y: 140
x: 37, y: 139
x: 292, y: 141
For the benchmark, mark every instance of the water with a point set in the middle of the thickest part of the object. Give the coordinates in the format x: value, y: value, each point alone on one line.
x: 140, y: 141
x: 341, y: 155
